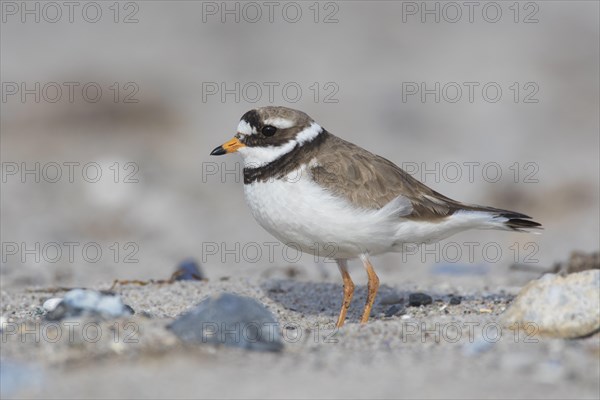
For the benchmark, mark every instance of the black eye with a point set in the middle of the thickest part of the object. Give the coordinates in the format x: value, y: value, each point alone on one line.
x: 269, y: 130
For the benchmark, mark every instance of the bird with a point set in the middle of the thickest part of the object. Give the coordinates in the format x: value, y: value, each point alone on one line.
x: 316, y: 192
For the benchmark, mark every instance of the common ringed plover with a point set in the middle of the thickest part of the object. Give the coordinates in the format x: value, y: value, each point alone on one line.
x: 311, y: 189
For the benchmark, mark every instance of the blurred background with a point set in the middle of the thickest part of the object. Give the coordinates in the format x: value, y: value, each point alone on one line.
x: 110, y: 111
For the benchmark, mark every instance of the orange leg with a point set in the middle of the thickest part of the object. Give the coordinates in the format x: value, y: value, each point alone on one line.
x: 348, y: 291
x: 372, y: 286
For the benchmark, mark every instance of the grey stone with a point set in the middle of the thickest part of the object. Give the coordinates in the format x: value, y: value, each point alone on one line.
x: 419, y: 299
x: 395, y: 310
x: 566, y: 307
x: 231, y: 320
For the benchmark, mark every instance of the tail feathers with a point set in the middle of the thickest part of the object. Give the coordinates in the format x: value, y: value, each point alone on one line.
x: 522, y: 225
x: 511, y: 220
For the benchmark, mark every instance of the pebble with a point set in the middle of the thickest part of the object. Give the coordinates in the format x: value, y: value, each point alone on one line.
x: 189, y: 270
x: 455, y: 300
x: 395, y: 310
x: 80, y: 302
x: 231, y: 320
x: 565, y: 307
x: 51, y: 304
x: 419, y: 299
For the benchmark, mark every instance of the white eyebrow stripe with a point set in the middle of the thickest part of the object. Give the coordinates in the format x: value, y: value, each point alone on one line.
x: 279, y: 123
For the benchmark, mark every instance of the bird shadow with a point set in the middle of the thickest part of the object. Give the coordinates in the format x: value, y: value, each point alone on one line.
x: 325, y: 299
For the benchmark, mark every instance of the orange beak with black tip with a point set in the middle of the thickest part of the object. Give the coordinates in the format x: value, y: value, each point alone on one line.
x: 230, y: 147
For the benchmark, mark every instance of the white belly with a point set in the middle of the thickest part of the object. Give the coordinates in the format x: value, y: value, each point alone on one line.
x: 301, y: 214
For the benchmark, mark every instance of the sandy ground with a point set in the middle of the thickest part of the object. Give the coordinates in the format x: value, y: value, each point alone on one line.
x: 183, y: 203
x: 435, y: 351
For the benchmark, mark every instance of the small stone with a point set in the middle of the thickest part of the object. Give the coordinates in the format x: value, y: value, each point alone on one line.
x: 395, y: 310
x: 231, y: 320
x: 189, y: 270
x: 419, y: 299
x: 455, y: 300
x: 129, y: 309
x: 565, y: 307
x: 51, y: 304
x: 80, y: 302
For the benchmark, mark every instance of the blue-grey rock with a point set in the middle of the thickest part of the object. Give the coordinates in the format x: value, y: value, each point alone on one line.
x: 231, y: 320
x: 189, y: 270
x: 80, y: 302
